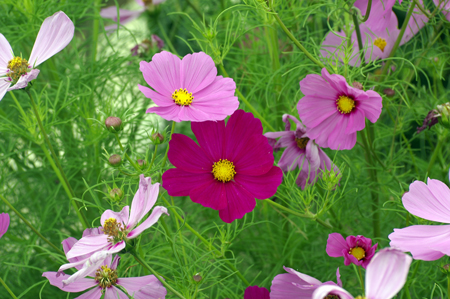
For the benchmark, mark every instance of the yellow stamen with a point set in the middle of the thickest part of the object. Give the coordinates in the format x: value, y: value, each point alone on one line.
x: 17, y: 67
x: 380, y: 43
x: 361, y: 297
x: 182, y: 97
x: 345, y: 104
x: 114, y: 230
x: 302, y: 142
x: 358, y: 252
x: 106, y: 277
x: 223, y: 170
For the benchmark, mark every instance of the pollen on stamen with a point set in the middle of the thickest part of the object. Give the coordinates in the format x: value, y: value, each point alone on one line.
x: 223, y: 170
x: 302, y: 142
x: 16, y: 68
x: 380, y: 43
x: 114, y: 230
x: 345, y: 104
x: 182, y: 97
x: 106, y: 277
x: 358, y: 252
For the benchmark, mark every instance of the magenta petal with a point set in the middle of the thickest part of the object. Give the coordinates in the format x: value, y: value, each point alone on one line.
x: 55, y: 34
x: 291, y: 157
x: 336, y: 244
x: 255, y: 157
x: 133, y: 284
x: 211, y: 194
x: 210, y: 136
x: 197, y: 71
x: 240, y: 202
x: 77, y: 286
x: 152, y: 219
x: 185, y: 154
x: 114, y: 293
x: 255, y: 292
x: 144, y: 199
x: 153, y: 290
x: 95, y: 293
x: 4, y: 223
x: 263, y: 186
x: 6, y: 54
x: 178, y: 182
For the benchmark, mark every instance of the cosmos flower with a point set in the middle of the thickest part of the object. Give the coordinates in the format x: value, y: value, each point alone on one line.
x: 105, y: 281
x: 444, y: 5
x: 357, y: 250
x: 296, y: 285
x: 117, y: 228
x: 187, y: 89
x: 126, y: 15
x: 146, y: 45
x: 333, y: 111
x: 4, y: 223
x: 255, y: 292
x: 55, y: 34
x: 429, y: 201
x: 301, y: 152
x: 385, y: 276
x: 230, y: 166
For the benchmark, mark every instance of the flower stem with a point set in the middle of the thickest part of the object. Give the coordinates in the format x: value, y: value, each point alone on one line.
x: 422, y: 9
x: 146, y: 266
x: 153, y: 158
x: 126, y: 155
x: 168, y: 140
x: 8, y: 289
x: 359, y: 274
x: 247, y: 103
x: 437, y: 150
x: 366, y: 16
x: 30, y: 225
x: 64, y: 181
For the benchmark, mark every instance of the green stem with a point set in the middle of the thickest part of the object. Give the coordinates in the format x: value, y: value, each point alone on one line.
x: 180, y: 234
x: 18, y: 105
x: 164, y: 34
x: 366, y: 16
x: 8, y: 289
x: 30, y: 225
x: 153, y: 158
x: 199, y: 14
x: 126, y: 155
x: 361, y: 279
x: 65, y: 181
x: 247, y: 103
x: 296, y: 42
x: 167, y: 149
x: 145, y: 265
x: 358, y: 36
x: 436, y: 152
x: 422, y: 9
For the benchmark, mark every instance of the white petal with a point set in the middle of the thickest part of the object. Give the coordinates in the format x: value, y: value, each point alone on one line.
x: 4, y: 85
x: 6, y: 54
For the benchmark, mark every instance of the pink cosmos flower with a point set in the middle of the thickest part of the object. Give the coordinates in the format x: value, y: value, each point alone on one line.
x: 333, y: 111
x: 300, y: 151
x: 117, y: 228
x: 4, y: 223
x: 429, y: 201
x: 55, y: 34
x: 357, y: 250
x: 255, y: 292
x: 105, y: 281
x: 146, y: 45
x: 229, y: 167
x: 385, y: 277
x: 444, y: 5
x: 126, y: 15
x: 296, y: 285
x: 187, y: 89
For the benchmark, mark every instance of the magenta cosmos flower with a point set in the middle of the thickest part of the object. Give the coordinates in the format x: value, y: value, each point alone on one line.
x: 333, y: 111
x: 429, y: 201
x: 105, y: 280
x: 229, y: 167
x: 4, y: 223
x: 55, y: 34
x: 296, y: 285
x: 255, y: 292
x: 357, y: 250
x: 187, y: 89
x: 385, y: 277
x: 117, y: 228
x: 301, y: 152
x: 126, y: 16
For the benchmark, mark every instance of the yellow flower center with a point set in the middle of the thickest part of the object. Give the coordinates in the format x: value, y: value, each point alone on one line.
x: 114, y: 230
x: 302, y: 142
x: 223, y: 170
x: 106, y: 277
x: 17, y: 67
x: 380, y: 43
x: 361, y: 297
x: 345, y: 104
x: 358, y: 252
x: 182, y: 97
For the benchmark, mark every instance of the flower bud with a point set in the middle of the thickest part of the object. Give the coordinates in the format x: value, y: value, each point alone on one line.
x: 113, y: 124
x: 157, y: 138
x: 141, y: 163
x: 389, y: 92
x: 358, y: 85
x: 444, y: 111
x: 116, y: 194
x: 197, y: 277
x: 115, y: 160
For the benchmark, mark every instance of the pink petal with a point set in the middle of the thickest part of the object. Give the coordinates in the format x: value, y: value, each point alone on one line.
x: 308, y: 109
x: 425, y: 242
x: 240, y: 202
x: 307, y: 174
x: 312, y: 155
x: 95, y: 293
x: 168, y: 113
x: 336, y: 244
x: 157, y: 98
x: 67, y: 245
x: 291, y: 158
x: 153, y: 290
x: 338, y: 139
x: 386, y: 273
x: 356, y: 121
x: 93, y: 231
x: 87, y: 245
x: 417, y: 21
x: 55, y: 34
x: 90, y: 265
x: 185, y: 154
x: 23, y: 80
x: 333, y: 45
x: 4, y: 223
x: 152, y: 219
x: 6, y: 54
x: 304, y: 279
x: 322, y: 131
x: 114, y: 293
x: 325, y: 290
x: 211, y: 194
x: 144, y: 199
x: 315, y: 85
x: 263, y: 186
x: 210, y: 136
x: 121, y: 217
x: 197, y: 71
x: 4, y: 86
x: 77, y: 286
x: 372, y: 106
x: 133, y: 284
x: 192, y: 113
x: 178, y: 182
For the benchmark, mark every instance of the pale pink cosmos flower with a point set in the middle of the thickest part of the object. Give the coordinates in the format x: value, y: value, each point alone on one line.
x: 429, y: 201
x: 4, y: 223
x: 118, y: 227
x: 188, y: 89
x: 385, y: 276
x: 333, y: 111
x: 301, y: 152
x: 444, y: 5
x: 55, y: 34
x: 126, y: 16
x: 297, y: 285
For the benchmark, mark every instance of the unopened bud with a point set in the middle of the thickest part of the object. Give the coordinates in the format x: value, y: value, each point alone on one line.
x: 141, y: 163
x: 116, y: 194
x: 197, y: 277
x: 157, y: 138
x: 115, y: 160
x: 113, y: 124
x: 358, y: 85
x: 389, y: 92
x: 445, y: 269
x: 444, y: 111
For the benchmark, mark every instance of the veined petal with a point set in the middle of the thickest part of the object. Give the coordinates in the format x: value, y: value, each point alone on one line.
x: 178, y: 182
x: 152, y: 219
x: 197, y: 71
x: 23, y: 81
x: 336, y: 244
x: 211, y: 194
x: 185, y: 154
x: 55, y: 34
x: 6, y: 54
x: 95, y: 293
x: 240, y: 202
x: 325, y: 290
x: 91, y: 264
x: 77, y: 286
x: 134, y: 284
x: 4, y: 223
x: 143, y: 201
x: 211, y: 137
x: 115, y: 293
x: 121, y: 217
x: 153, y: 290
x: 87, y: 245
x: 263, y: 186
x: 4, y: 86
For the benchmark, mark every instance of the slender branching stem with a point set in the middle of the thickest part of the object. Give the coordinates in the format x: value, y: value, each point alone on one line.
x: 7, y: 288
x: 368, y: 9
x: 126, y: 155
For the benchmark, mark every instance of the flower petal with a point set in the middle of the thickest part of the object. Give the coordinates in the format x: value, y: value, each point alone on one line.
x: 95, y: 293
x: 157, y: 98
x: 23, y: 80
x: 77, y: 286
x: 178, y: 182
x: 185, y: 154
x: 211, y: 137
x: 168, y: 113
x: 4, y: 86
x: 121, y: 217
x: 143, y: 201
x: 133, y: 284
x: 336, y: 244
x: 87, y: 245
x: 6, y: 54
x: 263, y: 186
x: 4, y: 223
x: 240, y: 202
x: 152, y: 219
x: 91, y: 264
x: 55, y: 34
x: 211, y: 194
x: 255, y: 292
x: 255, y: 157
x: 325, y: 290
x: 372, y: 106
x: 125, y: 16
x: 114, y: 293
x: 291, y: 158
x: 153, y: 290
x: 197, y: 71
